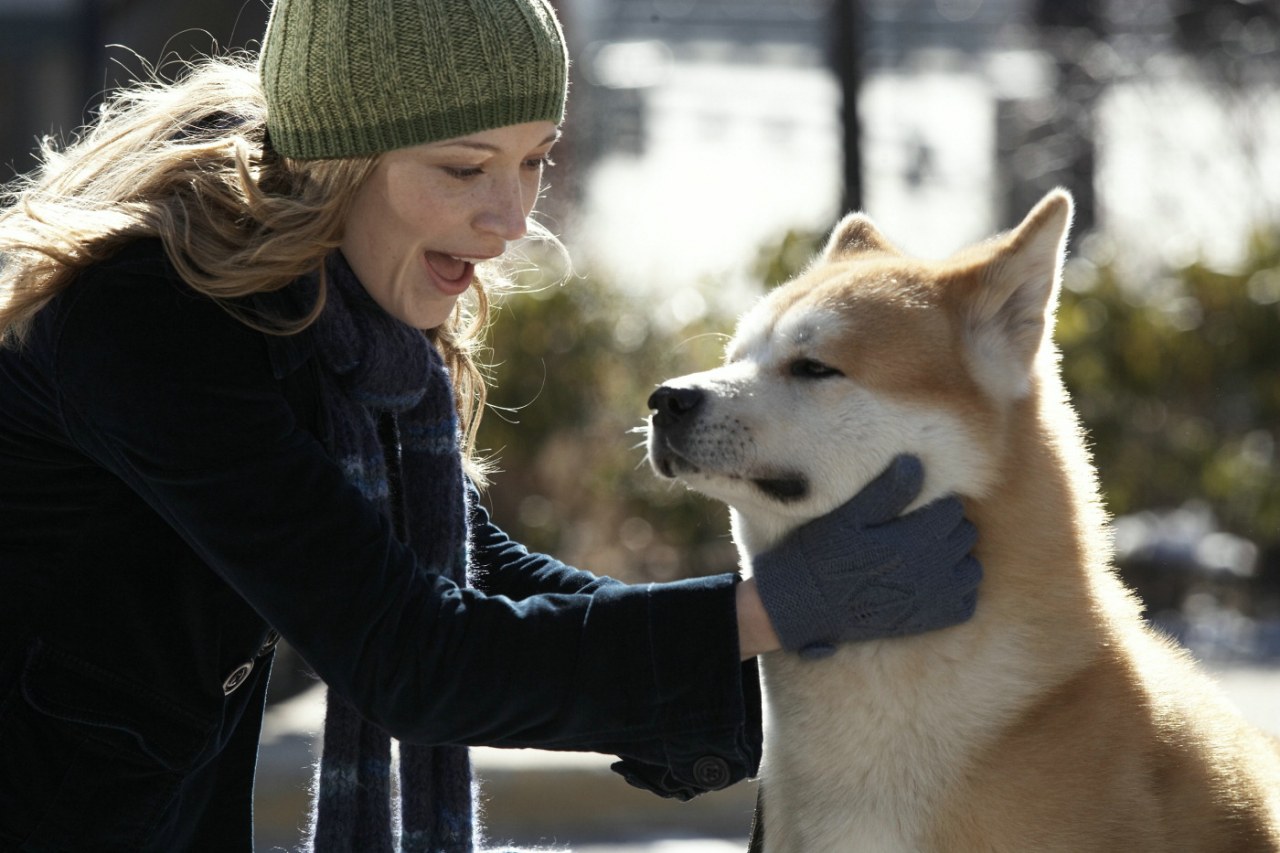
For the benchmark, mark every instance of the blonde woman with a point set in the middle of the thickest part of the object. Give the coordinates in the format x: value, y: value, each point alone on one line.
x: 237, y: 402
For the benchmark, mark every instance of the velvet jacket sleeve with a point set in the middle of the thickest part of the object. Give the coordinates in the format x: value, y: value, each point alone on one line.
x: 503, y: 566
x: 179, y: 400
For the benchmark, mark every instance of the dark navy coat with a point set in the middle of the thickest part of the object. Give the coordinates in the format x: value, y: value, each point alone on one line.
x: 166, y: 507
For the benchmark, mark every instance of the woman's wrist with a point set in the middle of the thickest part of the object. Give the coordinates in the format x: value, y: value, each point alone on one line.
x: 755, y: 632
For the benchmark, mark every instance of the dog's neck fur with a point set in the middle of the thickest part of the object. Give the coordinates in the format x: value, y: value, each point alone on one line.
x: 1041, y: 524
x: 951, y: 691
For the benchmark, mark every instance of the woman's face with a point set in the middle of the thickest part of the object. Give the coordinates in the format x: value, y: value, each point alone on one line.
x: 427, y: 214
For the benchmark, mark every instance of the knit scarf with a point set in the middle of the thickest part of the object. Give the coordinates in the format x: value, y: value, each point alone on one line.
x: 388, y: 394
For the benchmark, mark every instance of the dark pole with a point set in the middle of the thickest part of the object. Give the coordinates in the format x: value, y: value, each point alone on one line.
x: 566, y: 180
x: 1067, y: 30
x: 89, y: 45
x: 846, y: 61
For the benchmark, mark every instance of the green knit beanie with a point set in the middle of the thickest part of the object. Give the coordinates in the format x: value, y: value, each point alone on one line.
x: 351, y: 77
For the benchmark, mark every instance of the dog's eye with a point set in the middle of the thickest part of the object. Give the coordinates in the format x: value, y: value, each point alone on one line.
x: 807, y: 368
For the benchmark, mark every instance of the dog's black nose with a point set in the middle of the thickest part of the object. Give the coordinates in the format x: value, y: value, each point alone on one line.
x: 671, y: 404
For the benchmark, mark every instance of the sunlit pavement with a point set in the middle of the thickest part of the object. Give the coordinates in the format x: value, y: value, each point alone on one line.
x: 572, y: 801
x: 671, y: 846
x: 533, y: 799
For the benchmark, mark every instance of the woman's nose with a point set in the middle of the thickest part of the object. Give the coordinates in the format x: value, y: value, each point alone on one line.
x: 505, y: 213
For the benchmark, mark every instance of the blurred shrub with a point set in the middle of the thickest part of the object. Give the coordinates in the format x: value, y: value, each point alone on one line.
x: 1177, y: 380
x: 573, y: 366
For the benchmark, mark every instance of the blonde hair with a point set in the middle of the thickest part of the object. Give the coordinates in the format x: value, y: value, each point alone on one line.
x: 188, y: 161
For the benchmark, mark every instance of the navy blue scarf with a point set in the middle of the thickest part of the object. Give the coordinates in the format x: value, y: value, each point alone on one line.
x: 390, y: 399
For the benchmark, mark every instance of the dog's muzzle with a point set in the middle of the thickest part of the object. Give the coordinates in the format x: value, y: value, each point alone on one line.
x: 680, y: 438
x: 673, y: 411
x: 671, y: 405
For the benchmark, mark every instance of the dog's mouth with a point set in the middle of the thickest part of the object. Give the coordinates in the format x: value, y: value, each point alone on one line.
x: 783, y: 487
x: 671, y: 465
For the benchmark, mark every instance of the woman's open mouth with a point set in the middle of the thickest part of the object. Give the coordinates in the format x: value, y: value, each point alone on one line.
x: 451, y: 275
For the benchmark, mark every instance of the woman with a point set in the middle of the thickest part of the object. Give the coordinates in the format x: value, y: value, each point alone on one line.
x: 237, y: 399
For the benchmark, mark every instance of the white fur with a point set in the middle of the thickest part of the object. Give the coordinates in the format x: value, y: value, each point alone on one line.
x: 840, y: 436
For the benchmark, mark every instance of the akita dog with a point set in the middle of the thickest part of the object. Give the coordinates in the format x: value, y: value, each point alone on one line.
x: 1054, y: 720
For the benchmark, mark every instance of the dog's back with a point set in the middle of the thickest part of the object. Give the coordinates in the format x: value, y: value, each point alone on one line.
x: 1054, y: 720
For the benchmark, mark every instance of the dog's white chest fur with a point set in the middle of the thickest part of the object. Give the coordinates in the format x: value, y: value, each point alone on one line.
x: 817, y: 742
x: 861, y: 747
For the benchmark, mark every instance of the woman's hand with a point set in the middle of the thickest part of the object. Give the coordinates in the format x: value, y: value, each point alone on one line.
x: 865, y: 572
x: 755, y: 632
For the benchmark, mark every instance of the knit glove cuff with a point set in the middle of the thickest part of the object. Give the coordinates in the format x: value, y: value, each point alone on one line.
x: 797, y: 606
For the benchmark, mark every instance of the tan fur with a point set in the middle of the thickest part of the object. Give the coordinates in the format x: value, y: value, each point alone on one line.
x: 1054, y: 720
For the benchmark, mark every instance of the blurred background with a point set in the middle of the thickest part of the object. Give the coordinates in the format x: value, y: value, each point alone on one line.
x: 709, y: 146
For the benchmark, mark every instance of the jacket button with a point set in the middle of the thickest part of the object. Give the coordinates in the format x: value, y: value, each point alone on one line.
x: 711, y: 772
x: 237, y: 677
x: 269, y: 644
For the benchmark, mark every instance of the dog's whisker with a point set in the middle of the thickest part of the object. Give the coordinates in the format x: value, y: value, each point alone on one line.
x: 692, y: 338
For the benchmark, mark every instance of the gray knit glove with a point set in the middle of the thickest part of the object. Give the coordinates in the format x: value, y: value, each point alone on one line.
x: 861, y: 572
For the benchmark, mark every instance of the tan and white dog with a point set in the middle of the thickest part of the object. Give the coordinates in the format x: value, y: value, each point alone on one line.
x: 1054, y: 720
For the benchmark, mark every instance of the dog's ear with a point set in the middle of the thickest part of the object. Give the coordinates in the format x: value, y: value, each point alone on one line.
x: 854, y: 235
x: 1010, y: 312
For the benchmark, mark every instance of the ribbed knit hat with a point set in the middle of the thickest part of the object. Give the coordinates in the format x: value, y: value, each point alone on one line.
x: 350, y: 77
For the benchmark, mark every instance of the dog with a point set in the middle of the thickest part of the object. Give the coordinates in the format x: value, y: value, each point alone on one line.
x: 1053, y: 720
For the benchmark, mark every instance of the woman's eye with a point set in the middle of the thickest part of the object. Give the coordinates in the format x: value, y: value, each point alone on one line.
x: 544, y: 162
x: 808, y: 368
x: 462, y: 172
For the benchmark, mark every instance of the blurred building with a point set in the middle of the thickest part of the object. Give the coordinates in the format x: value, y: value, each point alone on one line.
x: 945, y: 119
x: 962, y: 113
x: 57, y: 57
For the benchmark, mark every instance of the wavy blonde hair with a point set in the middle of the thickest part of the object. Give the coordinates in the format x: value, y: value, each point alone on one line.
x: 188, y: 161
